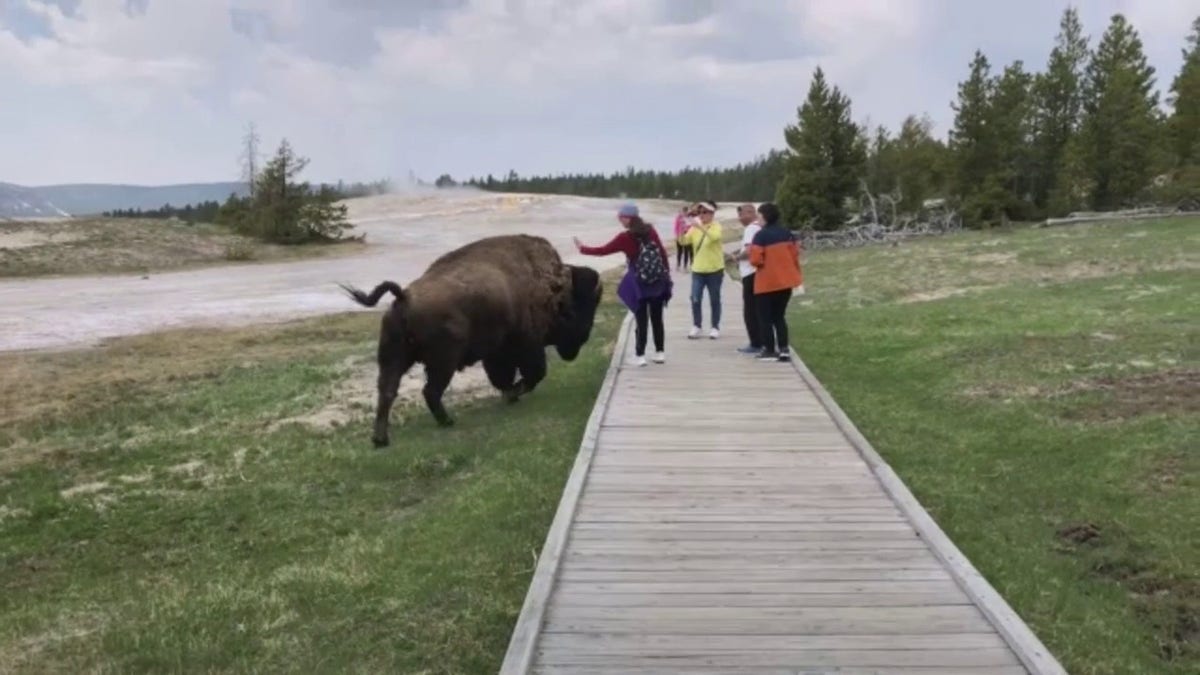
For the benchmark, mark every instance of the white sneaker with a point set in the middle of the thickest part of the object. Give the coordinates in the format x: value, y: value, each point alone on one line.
x: 714, y: 334
x: 640, y: 361
x: 660, y: 357
x: 694, y: 333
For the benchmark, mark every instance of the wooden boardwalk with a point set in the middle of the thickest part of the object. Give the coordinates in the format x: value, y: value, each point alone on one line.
x: 723, y: 516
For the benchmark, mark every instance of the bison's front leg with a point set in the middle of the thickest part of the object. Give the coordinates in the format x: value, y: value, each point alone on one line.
x: 501, y: 371
x: 533, y: 370
x: 437, y: 379
x: 392, y: 368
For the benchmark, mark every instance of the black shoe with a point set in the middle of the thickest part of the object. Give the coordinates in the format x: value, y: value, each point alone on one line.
x: 768, y: 355
x: 785, y: 356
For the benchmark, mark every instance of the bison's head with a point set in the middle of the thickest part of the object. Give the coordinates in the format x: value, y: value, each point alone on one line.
x: 573, y: 325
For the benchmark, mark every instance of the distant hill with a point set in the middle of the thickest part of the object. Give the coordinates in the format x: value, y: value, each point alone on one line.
x: 23, y: 202
x: 93, y: 198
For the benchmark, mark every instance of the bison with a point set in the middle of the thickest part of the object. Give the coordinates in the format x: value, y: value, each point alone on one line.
x: 500, y: 300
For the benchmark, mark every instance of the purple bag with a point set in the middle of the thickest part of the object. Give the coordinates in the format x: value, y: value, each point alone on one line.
x: 631, y: 291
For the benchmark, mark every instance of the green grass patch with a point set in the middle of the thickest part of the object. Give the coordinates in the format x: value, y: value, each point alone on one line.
x: 1039, y: 392
x: 155, y: 517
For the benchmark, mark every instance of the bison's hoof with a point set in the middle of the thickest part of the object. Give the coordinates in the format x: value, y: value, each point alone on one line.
x: 512, y: 395
x: 445, y: 422
x: 380, y: 442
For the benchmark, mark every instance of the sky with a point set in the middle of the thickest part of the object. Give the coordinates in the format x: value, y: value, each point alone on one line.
x: 161, y: 91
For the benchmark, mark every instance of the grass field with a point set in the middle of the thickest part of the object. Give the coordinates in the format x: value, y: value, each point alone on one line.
x: 156, y: 517
x: 1039, y: 391
x: 135, y: 245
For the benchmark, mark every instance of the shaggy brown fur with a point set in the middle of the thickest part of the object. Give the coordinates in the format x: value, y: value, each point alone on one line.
x: 500, y: 300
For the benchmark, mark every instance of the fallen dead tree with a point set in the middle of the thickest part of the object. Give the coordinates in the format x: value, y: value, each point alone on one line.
x: 879, y: 221
x: 1187, y: 209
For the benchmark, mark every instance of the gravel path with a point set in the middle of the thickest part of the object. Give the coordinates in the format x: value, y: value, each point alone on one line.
x: 405, y: 233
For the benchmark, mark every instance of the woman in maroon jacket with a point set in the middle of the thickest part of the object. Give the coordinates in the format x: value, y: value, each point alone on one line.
x: 646, y: 287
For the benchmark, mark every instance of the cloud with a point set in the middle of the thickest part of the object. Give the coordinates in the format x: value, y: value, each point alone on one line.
x: 371, y: 88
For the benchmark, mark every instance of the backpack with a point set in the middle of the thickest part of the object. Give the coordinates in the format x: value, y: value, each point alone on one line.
x: 649, y: 262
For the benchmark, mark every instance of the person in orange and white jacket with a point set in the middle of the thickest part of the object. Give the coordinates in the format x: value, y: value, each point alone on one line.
x: 775, y: 255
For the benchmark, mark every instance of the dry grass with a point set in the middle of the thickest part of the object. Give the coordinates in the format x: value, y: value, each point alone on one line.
x: 160, y: 511
x: 39, y: 387
x: 123, y: 245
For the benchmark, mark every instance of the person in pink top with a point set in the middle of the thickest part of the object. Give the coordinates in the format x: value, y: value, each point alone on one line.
x: 683, y: 252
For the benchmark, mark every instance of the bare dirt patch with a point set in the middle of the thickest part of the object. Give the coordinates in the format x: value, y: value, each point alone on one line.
x: 994, y: 258
x: 1169, y: 392
x: 1165, y: 474
x: 1172, y: 608
x: 940, y: 294
x: 1164, y: 392
x: 1168, y: 604
x: 1080, y: 533
x: 355, y: 394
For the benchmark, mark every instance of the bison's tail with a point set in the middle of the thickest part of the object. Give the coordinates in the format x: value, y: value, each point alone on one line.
x: 370, y: 300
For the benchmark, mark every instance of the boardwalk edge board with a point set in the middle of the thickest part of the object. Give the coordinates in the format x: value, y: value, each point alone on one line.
x: 1020, y: 638
x: 523, y: 642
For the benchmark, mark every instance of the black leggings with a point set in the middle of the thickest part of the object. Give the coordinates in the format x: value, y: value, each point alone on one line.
x: 654, y: 308
x: 772, y: 317
x: 750, y: 312
x: 683, y: 255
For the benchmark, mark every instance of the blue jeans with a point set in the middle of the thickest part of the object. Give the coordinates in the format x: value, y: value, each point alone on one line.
x: 711, y: 281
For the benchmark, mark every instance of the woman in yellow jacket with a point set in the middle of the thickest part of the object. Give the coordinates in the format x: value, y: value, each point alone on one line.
x: 708, y: 266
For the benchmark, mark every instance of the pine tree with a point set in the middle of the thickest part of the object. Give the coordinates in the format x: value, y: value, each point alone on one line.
x: 977, y: 182
x: 1121, y: 123
x: 826, y: 156
x: 1058, y: 105
x: 283, y: 210
x: 1011, y: 121
x: 920, y: 161
x: 1184, y: 123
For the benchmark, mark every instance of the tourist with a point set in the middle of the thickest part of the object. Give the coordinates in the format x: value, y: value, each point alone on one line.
x: 708, y: 267
x: 683, y: 251
x: 751, y: 224
x: 646, y: 287
x: 775, y: 255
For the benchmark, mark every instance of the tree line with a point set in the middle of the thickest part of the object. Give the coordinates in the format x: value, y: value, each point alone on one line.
x: 201, y: 212
x: 756, y: 180
x: 1086, y: 132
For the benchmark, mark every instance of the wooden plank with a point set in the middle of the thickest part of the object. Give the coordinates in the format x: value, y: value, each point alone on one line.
x: 746, y: 459
x: 688, y: 546
x: 780, y: 476
x: 939, y: 657
x: 692, y: 560
x: 1032, y: 653
x: 575, y: 573
x: 743, y: 535
x: 654, y: 643
x: 667, y: 669
x: 522, y: 643
x: 753, y: 588
x: 768, y: 620
x: 797, y: 530
x: 953, y: 597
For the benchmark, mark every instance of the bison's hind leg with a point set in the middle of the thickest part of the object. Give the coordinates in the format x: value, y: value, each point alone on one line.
x: 392, y: 367
x: 437, y: 378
